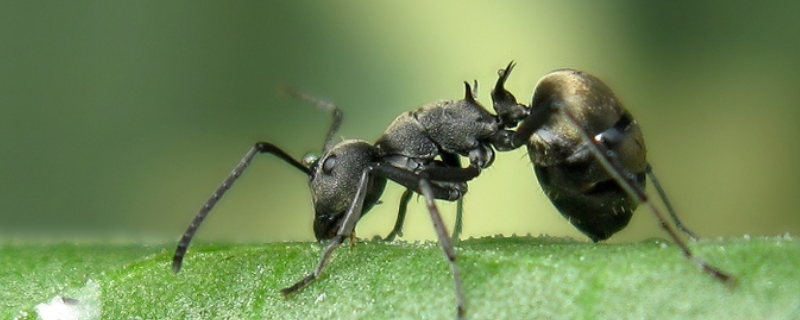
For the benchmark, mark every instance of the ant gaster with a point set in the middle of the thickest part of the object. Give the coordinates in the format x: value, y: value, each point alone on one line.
x: 420, y: 150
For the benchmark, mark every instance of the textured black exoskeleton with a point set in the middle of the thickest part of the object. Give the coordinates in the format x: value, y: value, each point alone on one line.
x: 587, y: 151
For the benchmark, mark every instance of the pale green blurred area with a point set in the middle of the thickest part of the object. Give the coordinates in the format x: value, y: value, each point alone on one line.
x: 120, y: 118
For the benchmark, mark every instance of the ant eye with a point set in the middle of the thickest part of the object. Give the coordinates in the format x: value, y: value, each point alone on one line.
x: 328, y: 164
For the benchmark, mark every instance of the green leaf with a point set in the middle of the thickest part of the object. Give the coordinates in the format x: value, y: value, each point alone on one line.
x: 503, y: 278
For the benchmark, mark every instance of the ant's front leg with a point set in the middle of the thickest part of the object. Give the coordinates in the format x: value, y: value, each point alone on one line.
x: 420, y: 183
x: 345, y: 230
x: 355, y: 210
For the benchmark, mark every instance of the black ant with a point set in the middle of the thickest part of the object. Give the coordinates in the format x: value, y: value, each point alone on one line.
x: 587, y: 151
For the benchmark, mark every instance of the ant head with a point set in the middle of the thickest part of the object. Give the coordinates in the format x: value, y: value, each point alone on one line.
x: 335, y: 180
x: 505, y: 104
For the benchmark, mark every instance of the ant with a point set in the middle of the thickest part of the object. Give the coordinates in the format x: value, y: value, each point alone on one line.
x: 587, y: 151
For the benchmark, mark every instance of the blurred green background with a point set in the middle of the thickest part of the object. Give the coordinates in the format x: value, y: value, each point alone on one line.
x: 119, y: 118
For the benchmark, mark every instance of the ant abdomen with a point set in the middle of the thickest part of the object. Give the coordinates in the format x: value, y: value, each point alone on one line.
x: 573, y: 179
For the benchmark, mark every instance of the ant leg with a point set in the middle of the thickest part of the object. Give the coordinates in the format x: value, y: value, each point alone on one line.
x: 453, y: 160
x: 423, y: 186
x: 259, y: 147
x: 649, y: 170
x: 445, y: 243
x: 459, y: 225
x: 402, y: 176
x: 407, y: 179
x: 421, y: 182
x: 345, y: 230
x: 397, y: 231
x: 442, y: 174
x: 452, y: 172
x: 627, y: 181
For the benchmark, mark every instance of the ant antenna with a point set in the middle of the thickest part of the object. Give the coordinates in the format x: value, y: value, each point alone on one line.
x: 322, y: 104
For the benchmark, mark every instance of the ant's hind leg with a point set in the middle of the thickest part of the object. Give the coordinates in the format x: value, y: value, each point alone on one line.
x: 627, y: 181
